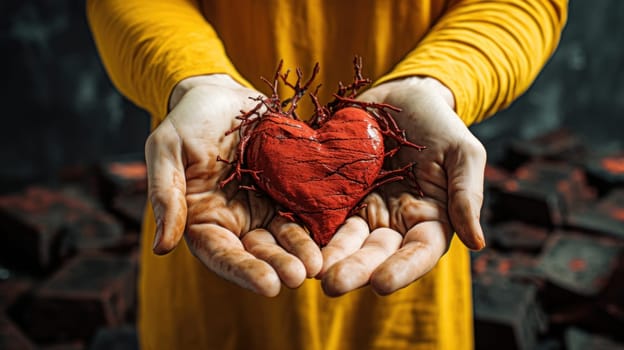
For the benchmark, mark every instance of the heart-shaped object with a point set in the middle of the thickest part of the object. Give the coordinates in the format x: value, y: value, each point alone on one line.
x: 318, y: 174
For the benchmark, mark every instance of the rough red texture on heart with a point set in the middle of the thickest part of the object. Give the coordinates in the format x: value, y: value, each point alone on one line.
x: 319, y: 174
x: 320, y: 169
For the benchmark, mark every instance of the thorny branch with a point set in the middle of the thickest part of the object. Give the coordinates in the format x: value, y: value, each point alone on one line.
x: 344, y: 97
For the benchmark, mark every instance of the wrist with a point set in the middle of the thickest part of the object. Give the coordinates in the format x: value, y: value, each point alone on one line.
x: 187, y: 84
x: 424, y: 84
x: 432, y: 84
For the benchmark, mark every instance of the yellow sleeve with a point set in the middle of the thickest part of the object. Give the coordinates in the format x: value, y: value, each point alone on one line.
x: 487, y: 52
x: 148, y: 46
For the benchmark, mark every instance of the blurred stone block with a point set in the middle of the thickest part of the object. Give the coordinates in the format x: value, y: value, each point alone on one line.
x: 518, y: 236
x: 560, y: 144
x: 580, y: 264
x: 495, y: 176
x: 602, y: 313
x: 606, y: 171
x: 91, y: 228
x: 507, y: 316
x: 11, y: 289
x: 592, y: 314
x: 76, y: 345
x: 577, y: 339
x: 11, y: 338
x: 88, y: 293
x: 542, y: 193
x: 122, y: 175
x: 549, y: 343
x: 490, y: 267
x: 130, y: 209
x: 606, y: 216
x: 127, y: 246
x: 42, y: 226
x: 81, y: 175
x: 120, y: 338
x: 31, y: 224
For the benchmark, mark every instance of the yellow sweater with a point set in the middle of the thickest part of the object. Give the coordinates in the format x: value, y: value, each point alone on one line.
x: 486, y: 52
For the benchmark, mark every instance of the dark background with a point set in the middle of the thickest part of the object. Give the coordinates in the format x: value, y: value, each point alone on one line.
x: 60, y: 109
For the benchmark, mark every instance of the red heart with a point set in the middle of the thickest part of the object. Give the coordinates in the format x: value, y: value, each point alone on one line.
x: 319, y: 175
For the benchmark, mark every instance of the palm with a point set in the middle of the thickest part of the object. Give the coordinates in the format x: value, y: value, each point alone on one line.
x: 204, y: 142
x: 232, y: 232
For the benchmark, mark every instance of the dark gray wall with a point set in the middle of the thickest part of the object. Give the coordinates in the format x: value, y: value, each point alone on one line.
x: 60, y: 108
x: 581, y: 88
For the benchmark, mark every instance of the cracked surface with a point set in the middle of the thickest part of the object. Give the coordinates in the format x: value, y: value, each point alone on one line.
x: 319, y: 175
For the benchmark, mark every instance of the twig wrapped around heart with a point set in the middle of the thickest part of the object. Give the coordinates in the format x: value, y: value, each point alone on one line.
x: 321, y: 169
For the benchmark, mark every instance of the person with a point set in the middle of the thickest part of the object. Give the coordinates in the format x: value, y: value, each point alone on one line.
x: 394, y: 276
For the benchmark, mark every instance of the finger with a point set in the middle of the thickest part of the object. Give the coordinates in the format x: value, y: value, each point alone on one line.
x: 166, y: 186
x: 347, y: 240
x: 423, y: 246
x: 432, y: 181
x: 355, y: 271
x: 406, y: 211
x: 222, y: 252
x: 297, y: 241
x: 465, y: 169
x: 263, y: 246
x: 261, y: 210
x: 375, y: 211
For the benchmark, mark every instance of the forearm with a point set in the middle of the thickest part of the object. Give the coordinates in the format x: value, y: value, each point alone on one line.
x: 148, y: 47
x: 487, y: 52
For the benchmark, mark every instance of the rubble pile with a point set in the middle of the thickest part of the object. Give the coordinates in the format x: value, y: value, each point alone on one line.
x: 69, y: 259
x: 551, y: 276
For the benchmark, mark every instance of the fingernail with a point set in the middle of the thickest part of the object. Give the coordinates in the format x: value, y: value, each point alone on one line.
x: 481, y: 242
x: 157, y: 235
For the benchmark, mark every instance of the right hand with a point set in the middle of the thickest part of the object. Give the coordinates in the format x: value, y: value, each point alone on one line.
x: 411, y: 231
x: 235, y: 233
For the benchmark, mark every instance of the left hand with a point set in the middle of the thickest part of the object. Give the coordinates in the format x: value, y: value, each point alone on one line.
x: 400, y: 236
x: 234, y: 233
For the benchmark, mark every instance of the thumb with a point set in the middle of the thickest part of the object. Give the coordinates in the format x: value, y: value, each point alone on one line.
x: 465, y: 168
x: 166, y: 186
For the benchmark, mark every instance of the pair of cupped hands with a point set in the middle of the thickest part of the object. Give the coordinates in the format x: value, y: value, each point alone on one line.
x: 395, y: 239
